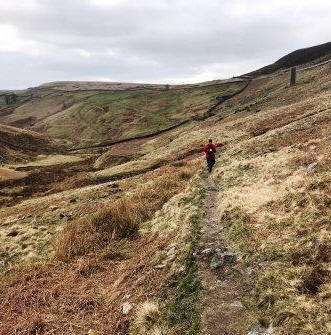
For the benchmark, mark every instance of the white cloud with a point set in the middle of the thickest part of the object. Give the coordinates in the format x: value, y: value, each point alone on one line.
x: 10, y: 41
x: 84, y: 53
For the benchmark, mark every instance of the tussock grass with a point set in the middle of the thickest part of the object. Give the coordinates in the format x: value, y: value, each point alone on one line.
x: 148, y: 320
x: 121, y: 219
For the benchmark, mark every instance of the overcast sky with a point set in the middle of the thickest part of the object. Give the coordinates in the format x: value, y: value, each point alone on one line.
x: 154, y: 41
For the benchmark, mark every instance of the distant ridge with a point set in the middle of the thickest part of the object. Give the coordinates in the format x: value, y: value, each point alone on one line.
x: 320, y: 52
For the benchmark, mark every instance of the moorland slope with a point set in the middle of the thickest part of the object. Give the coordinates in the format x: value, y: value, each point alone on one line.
x: 132, y: 239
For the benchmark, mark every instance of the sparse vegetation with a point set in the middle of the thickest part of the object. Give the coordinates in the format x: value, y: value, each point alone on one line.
x: 183, y: 311
x: 83, y: 234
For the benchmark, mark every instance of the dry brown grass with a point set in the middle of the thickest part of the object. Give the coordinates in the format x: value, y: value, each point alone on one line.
x: 275, y: 216
x: 148, y: 320
x: 122, y: 218
x: 88, y: 293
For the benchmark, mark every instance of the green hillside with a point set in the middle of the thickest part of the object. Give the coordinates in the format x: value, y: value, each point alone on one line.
x: 88, y: 116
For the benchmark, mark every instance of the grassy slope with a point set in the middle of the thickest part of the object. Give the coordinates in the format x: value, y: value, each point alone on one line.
x: 20, y: 145
x: 93, y: 117
x: 274, y: 215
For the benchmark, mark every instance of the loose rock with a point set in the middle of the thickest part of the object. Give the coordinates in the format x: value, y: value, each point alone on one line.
x: 221, y: 258
x: 68, y: 216
x: 310, y: 168
x: 237, y: 304
x: 257, y: 329
x: 126, y: 308
x: 217, y: 261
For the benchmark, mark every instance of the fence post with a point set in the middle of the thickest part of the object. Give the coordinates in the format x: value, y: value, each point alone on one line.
x: 293, y: 75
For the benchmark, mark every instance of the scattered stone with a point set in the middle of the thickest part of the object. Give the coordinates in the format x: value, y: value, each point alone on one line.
x: 115, y: 190
x: 159, y: 266
x: 221, y: 258
x: 127, y: 296
x: 237, y: 304
x: 53, y: 208
x: 257, y: 329
x: 68, y: 216
x: 217, y: 261
x: 310, y: 168
x: 249, y: 271
x: 126, y: 308
x: 92, y: 332
x: 114, y: 185
x: 72, y: 200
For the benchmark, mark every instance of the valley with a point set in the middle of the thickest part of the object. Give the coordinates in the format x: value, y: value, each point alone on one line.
x: 107, y: 210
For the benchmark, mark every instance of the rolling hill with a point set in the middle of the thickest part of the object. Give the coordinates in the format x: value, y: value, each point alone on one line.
x: 90, y: 113
x: 316, y: 54
x: 23, y: 145
x: 126, y: 232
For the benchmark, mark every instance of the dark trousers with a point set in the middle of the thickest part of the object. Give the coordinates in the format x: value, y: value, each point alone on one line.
x: 210, y: 162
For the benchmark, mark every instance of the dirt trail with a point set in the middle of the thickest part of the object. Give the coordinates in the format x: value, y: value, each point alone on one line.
x: 223, y: 312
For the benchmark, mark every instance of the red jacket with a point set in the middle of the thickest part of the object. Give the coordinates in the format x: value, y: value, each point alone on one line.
x: 206, y: 150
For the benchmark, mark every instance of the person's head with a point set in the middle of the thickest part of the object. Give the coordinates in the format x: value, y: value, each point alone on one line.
x: 210, y: 140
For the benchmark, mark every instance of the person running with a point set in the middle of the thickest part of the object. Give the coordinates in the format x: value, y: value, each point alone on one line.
x: 209, y: 149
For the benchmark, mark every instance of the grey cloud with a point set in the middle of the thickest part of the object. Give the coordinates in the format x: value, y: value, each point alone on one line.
x: 155, y: 40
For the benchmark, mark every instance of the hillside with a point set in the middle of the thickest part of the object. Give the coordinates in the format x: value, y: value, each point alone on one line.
x: 88, y: 113
x: 315, y: 54
x: 23, y: 145
x: 135, y: 237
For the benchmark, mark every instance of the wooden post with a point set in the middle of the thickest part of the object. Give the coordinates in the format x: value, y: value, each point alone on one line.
x: 293, y: 75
